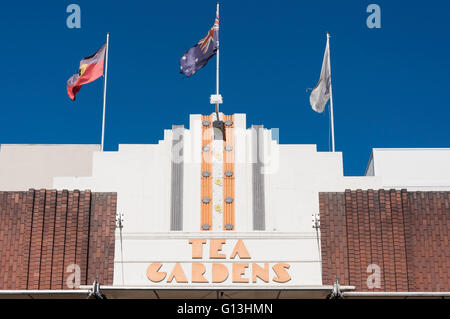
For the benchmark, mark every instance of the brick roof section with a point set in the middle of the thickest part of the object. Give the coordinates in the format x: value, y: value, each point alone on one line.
x: 405, y: 233
x: 43, y: 232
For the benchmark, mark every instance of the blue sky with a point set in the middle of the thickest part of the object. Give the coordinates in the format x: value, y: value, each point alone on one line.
x: 391, y: 85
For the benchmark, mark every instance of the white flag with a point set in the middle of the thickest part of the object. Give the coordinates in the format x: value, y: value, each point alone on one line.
x: 321, y: 93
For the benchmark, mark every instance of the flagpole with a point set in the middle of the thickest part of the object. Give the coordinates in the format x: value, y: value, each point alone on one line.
x: 104, y: 91
x: 331, y: 96
x: 217, y: 65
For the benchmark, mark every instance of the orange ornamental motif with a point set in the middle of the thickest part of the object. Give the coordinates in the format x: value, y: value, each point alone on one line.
x: 220, y: 271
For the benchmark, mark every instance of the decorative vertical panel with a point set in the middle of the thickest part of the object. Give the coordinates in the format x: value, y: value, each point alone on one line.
x: 228, y: 175
x: 259, y: 218
x: 206, y: 174
x: 217, y: 173
x: 176, y: 205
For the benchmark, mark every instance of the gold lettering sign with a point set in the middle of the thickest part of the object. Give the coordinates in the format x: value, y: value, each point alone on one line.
x: 240, y: 272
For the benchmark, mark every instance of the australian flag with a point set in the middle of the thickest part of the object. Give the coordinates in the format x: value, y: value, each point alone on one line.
x: 198, y: 56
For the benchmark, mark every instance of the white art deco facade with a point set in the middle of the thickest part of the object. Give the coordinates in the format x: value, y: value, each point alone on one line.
x: 207, y: 210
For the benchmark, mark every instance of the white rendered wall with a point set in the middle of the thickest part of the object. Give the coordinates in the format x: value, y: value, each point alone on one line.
x: 140, y: 174
x: 34, y: 166
x: 414, y: 169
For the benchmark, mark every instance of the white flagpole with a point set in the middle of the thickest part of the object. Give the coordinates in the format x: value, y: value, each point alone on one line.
x: 104, y: 91
x: 331, y: 95
x: 217, y: 64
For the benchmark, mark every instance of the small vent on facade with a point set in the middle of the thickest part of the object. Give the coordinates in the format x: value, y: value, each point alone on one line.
x: 228, y: 173
x: 206, y: 174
